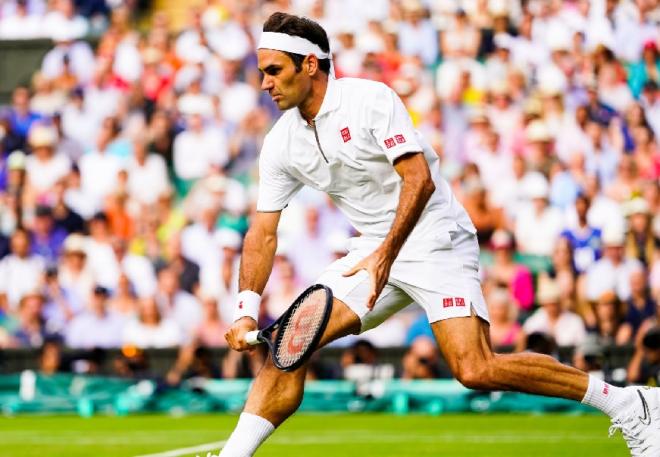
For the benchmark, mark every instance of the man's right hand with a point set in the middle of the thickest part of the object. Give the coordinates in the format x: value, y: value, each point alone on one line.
x: 235, y: 336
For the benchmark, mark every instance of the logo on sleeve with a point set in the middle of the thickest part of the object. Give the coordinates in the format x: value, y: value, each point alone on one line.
x: 345, y: 134
x: 389, y: 142
x: 399, y: 139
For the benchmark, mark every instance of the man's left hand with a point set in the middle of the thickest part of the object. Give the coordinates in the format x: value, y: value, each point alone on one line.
x: 378, y: 265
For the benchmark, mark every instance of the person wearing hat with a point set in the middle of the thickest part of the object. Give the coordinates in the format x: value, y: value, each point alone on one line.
x: 74, y: 274
x: 613, y: 270
x: 30, y: 331
x: 538, y: 225
x: 45, y: 166
x: 96, y: 326
x: 567, y: 328
x: 640, y: 242
x: 46, y: 237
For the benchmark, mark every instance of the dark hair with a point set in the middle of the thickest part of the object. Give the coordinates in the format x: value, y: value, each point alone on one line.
x: 304, y: 28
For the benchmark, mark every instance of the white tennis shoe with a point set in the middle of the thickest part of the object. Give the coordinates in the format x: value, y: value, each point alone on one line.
x: 640, y: 422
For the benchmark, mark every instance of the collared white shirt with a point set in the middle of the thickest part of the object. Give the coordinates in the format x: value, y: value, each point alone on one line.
x: 361, y: 128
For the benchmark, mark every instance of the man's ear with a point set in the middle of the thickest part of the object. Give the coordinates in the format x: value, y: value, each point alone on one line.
x: 312, y: 64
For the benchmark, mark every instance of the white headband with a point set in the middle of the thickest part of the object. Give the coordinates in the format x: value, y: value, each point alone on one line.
x: 289, y: 43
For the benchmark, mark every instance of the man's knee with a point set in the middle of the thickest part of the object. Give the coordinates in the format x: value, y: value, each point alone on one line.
x: 476, y: 374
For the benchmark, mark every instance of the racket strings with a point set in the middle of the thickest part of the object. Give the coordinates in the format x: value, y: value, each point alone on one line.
x: 300, y: 330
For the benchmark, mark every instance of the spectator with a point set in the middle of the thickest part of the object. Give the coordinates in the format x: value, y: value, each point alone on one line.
x: 147, y: 174
x: 96, y: 327
x: 504, y: 330
x: 21, y: 117
x: 20, y: 272
x: 74, y: 273
x: 641, y: 305
x: 565, y: 327
x: 177, y: 304
x: 124, y: 302
x: 584, y: 239
x: 613, y: 271
x: 422, y: 360
x: 30, y: 330
x: 641, y: 244
x: 538, y: 226
x: 46, y: 238
x: 644, y: 368
x: 609, y: 312
x: 21, y: 25
x: 149, y: 329
x: 212, y: 329
x: 509, y: 275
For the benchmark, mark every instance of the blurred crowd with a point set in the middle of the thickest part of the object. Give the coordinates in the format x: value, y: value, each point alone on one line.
x: 128, y: 169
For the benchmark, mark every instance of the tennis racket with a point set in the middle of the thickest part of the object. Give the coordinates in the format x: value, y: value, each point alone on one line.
x: 294, y: 336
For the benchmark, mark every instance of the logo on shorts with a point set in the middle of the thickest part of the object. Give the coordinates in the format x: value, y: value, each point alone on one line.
x: 240, y: 305
x: 399, y: 139
x: 389, y: 142
x: 455, y: 301
x: 345, y: 134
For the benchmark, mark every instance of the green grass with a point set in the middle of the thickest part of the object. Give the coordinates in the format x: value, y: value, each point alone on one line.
x: 350, y: 435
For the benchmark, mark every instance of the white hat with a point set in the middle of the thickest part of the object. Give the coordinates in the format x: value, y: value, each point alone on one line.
x: 16, y: 160
x: 537, y: 131
x: 229, y: 238
x: 536, y: 186
x: 549, y: 292
x: 614, y: 235
x: 75, y: 243
x: 42, y: 135
x: 636, y: 206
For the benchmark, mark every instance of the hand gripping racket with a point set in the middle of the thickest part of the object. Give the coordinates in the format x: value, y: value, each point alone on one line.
x: 294, y: 336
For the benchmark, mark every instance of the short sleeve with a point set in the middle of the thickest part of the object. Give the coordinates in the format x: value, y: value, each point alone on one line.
x: 391, y: 125
x: 276, y: 186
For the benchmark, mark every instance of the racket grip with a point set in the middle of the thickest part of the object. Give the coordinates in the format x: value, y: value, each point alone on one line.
x: 252, y: 338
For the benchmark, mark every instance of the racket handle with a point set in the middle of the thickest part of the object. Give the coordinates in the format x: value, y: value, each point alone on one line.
x: 252, y: 338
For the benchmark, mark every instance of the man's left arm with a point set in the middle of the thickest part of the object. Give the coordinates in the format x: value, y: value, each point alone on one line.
x: 416, y: 189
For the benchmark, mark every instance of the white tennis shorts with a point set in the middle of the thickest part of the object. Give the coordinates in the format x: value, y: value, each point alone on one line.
x: 445, y: 286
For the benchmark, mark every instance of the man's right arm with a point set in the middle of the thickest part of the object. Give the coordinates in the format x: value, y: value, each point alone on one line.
x: 256, y: 265
x: 258, y: 252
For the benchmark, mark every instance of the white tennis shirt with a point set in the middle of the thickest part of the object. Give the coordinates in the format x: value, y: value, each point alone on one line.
x: 361, y: 128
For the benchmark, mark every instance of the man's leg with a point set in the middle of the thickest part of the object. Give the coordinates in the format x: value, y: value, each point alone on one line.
x: 276, y: 394
x: 465, y: 343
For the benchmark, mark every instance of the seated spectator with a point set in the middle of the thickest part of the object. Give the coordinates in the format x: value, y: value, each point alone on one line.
x: 613, y: 270
x: 584, y: 239
x: 96, y: 327
x: 20, y: 272
x: 538, y: 225
x: 507, y: 274
x: 150, y: 330
x: 565, y: 327
x: 422, y: 360
x: 63, y: 215
x: 21, y: 25
x: 641, y: 244
x: 177, y: 304
x: 484, y: 215
x: 147, y: 174
x: 45, y: 166
x: 504, y: 330
x: 46, y: 237
x: 59, y: 306
x: 21, y: 117
x: 644, y: 367
x: 641, y: 305
x: 30, y: 331
x: 609, y: 312
x: 50, y: 357
x: 124, y: 301
x: 74, y: 273
x: 212, y: 329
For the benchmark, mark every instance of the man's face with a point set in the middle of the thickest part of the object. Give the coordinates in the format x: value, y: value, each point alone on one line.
x: 287, y: 87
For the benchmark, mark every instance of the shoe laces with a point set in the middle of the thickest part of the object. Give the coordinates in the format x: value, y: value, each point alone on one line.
x: 630, y: 433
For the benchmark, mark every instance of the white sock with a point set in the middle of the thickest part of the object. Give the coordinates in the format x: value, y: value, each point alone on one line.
x: 248, y: 435
x: 608, y: 398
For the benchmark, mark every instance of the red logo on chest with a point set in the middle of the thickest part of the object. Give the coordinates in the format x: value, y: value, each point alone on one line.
x: 389, y: 142
x: 399, y: 139
x: 345, y: 134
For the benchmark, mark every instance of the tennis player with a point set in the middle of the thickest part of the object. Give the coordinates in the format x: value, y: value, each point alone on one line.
x: 353, y: 139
